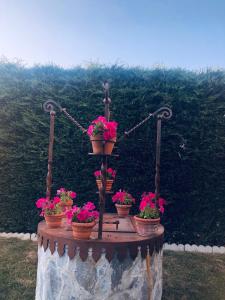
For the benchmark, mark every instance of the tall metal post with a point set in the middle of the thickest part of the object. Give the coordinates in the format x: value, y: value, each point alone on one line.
x: 102, y: 192
x: 50, y: 155
x: 157, y: 163
x: 162, y: 113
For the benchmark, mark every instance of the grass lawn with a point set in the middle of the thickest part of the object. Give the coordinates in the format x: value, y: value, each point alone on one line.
x: 186, y: 276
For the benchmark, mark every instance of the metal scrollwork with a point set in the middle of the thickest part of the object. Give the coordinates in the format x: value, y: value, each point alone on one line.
x: 163, y: 113
x: 50, y: 106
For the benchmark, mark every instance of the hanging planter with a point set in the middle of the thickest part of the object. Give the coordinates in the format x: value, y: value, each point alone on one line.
x: 102, y: 135
x: 123, y: 202
x: 148, y: 220
x: 110, y: 177
x: 82, y: 220
x: 51, y: 210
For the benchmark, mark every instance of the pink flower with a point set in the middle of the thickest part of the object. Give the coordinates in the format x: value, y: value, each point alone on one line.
x: 97, y: 173
x: 72, y: 194
x: 61, y: 190
x: 152, y: 205
x: 75, y: 209
x: 69, y: 214
x: 143, y: 204
x: 110, y: 131
x: 162, y: 209
x: 90, y: 130
x: 83, y: 215
x: 51, y: 206
x: 94, y: 214
x: 56, y: 200
x: 110, y: 170
x: 100, y: 119
x: 161, y: 201
x: 41, y: 202
x: 89, y: 206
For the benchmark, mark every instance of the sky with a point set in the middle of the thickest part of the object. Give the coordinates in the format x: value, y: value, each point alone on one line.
x: 171, y: 33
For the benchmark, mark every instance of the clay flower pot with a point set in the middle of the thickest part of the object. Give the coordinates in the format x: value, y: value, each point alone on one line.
x: 54, y: 221
x: 146, y: 227
x: 99, y: 146
x: 109, y: 183
x: 82, y: 231
x: 66, y: 206
x: 123, y: 210
x: 97, y: 143
x: 109, y: 145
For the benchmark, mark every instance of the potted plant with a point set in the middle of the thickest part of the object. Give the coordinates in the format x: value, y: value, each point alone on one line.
x: 51, y: 210
x: 82, y: 219
x: 66, y: 198
x: 102, y: 135
x: 148, y: 219
x: 110, y: 177
x: 123, y: 202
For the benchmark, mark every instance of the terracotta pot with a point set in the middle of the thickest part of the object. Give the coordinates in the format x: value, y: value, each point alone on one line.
x: 123, y: 210
x: 109, y: 145
x: 66, y: 206
x: 99, y: 146
x: 146, y: 227
x: 109, y: 183
x: 97, y: 143
x: 54, y: 221
x: 82, y: 231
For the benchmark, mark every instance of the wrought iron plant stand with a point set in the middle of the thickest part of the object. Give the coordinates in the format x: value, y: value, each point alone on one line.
x: 116, y: 263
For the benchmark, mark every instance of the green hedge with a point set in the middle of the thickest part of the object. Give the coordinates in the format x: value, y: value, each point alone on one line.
x: 192, y: 179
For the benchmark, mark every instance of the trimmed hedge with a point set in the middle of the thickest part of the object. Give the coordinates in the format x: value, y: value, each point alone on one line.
x: 192, y: 179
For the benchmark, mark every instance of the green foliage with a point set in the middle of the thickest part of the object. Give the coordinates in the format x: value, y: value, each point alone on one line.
x: 192, y: 179
x: 149, y: 213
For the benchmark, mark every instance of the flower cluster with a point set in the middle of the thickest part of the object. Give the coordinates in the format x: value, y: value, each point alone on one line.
x: 84, y: 214
x: 149, y: 207
x: 122, y: 197
x: 65, y: 195
x: 49, y: 207
x: 103, y: 127
x: 110, y: 174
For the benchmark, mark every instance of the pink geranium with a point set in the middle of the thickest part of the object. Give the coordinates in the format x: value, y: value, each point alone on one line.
x: 49, y: 206
x: 66, y: 195
x: 107, y: 129
x: 89, y: 206
x: 41, y: 202
x: 110, y: 131
x: 85, y: 214
x: 150, y: 207
x: 110, y: 174
x: 122, y: 197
